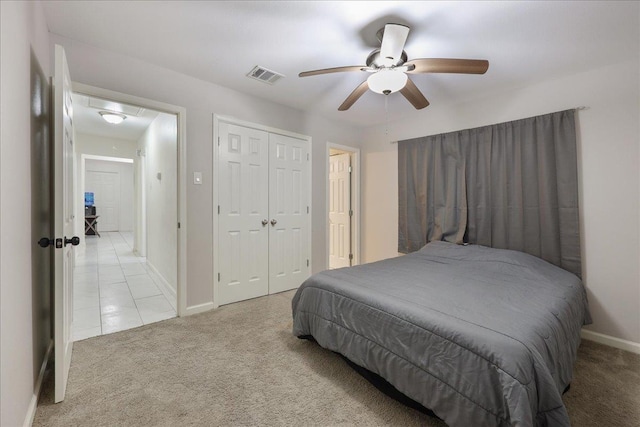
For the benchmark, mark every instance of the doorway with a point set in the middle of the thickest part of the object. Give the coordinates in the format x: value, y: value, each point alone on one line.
x: 126, y: 271
x: 343, y: 206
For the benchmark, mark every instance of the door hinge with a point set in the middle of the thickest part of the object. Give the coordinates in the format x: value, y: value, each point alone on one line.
x: 307, y: 157
x: 218, y: 141
x: 218, y: 209
x: 349, y: 169
x: 178, y: 225
x: 307, y: 263
x: 218, y: 277
x: 350, y: 257
x: 307, y: 209
x: 350, y: 212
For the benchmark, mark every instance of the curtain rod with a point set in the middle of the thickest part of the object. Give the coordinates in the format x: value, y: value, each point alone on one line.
x: 582, y: 107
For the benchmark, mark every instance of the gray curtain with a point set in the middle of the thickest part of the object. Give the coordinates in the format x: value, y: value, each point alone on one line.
x: 511, y: 186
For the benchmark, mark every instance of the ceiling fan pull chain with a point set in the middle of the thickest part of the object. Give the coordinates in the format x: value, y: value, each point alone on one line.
x: 386, y: 115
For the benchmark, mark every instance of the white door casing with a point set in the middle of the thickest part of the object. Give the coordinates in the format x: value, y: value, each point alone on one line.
x: 182, y: 225
x: 339, y: 210
x: 63, y: 221
x: 106, y: 189
x: 289, y: 212
x: 243, y: 199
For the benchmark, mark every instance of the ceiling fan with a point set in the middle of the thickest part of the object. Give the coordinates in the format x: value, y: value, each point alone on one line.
x: 389, y: 68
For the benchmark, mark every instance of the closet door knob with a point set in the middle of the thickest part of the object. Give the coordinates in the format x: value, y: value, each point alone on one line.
x: 274, y: 222
x: 265, y: 222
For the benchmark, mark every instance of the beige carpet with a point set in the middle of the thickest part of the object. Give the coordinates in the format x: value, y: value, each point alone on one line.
x: 240, y: 365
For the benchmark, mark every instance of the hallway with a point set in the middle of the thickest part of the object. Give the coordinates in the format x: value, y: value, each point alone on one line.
x: 114, y: 289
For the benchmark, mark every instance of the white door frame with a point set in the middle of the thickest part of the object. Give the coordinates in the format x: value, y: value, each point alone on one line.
x: 83, y: 174
x: 181, y: 114
x: 355, y: 199
x: 216, y: 120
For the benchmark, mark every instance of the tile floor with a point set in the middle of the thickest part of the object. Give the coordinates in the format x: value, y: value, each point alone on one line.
x: 114, y: 289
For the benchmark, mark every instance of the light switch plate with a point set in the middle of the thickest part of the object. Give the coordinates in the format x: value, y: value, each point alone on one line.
x: 197, y: 178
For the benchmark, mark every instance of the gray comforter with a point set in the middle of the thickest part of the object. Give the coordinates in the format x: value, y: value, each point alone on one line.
x: 481, y: 336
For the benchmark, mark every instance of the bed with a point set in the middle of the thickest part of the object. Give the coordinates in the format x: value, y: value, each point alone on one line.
x: 480, y: 336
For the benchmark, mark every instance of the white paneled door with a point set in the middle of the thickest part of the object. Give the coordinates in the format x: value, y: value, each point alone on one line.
x: 289, y: 216
x: 263, y: 225
x: 63, y: 222
x: 339, y: 211
x: 244, y: 211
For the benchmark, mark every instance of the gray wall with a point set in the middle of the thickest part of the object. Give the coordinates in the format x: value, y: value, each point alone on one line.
x: 608, y: 169
x: 24, y: 298
x: 108, y: 70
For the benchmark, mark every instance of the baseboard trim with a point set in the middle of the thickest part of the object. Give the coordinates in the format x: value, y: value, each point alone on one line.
x: 33, y: 405
x: 200, y: 308
x: 165, y: 286
x: 631, y: 346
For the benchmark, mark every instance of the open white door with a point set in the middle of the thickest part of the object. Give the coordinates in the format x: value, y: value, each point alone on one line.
x: 340, y: 211
x: 63, y: 221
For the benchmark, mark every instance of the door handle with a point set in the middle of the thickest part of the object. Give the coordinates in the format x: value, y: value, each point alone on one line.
x: 274, y: 221
x: 265, y: 222
x: 75, y: 241
x: 45, y: 242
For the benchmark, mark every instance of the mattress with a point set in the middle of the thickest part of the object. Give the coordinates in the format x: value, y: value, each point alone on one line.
x: 481, y: 336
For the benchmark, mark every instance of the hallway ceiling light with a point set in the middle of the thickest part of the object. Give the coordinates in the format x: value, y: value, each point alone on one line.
x: 113, y: 118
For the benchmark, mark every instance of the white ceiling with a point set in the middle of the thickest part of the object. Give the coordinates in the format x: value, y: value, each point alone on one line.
x: 86, y: 118
x: 220, y: 42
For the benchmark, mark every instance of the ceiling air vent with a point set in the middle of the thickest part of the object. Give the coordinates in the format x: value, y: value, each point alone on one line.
x: 264, y: 75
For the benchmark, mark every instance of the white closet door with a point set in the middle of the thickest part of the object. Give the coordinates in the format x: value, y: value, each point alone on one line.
x: 289, y: 220
x: 243, y: 197
x: 339, y: 207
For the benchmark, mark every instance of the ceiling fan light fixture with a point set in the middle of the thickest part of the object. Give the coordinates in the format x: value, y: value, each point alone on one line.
x: 113, y: 118
x: 387, y: 81
x: 389, y: 68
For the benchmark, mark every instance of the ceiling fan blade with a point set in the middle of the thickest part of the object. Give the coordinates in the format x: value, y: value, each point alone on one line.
x: 446, y: 65
x: 354, y: 96
x: 393, y: 40
x: 413, y: 95
x: 332, y: 70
